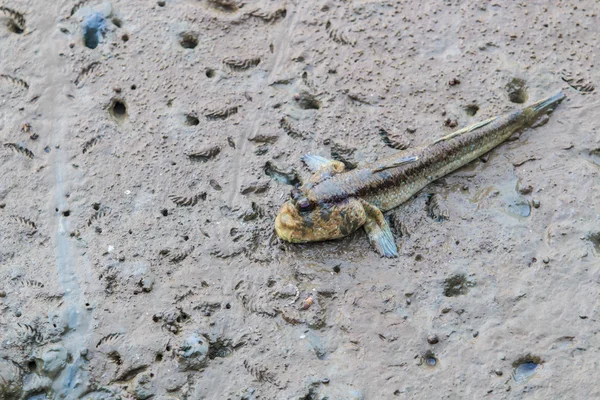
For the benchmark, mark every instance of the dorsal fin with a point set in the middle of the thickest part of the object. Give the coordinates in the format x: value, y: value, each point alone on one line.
x: 470, y: 128
x: 394, y: 163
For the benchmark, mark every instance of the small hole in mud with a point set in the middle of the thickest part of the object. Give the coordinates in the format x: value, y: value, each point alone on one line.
x: 161, y: 3
x: 525, y: 367
x: 191, y: 120
x: 32, y: 366
x: 168, y: 348
x: 66, y: 213
x: 125, y: 37
x: 117, y: 22
x: 133, y: 87
x: 186, y: 238
x: 418, y: 257
x: 87, y: 304
x: 516, y: 90
x: 159, y: 357
x: 164, y: 212
x: 188, y: 40
x: 210, y: 73
x: 54, y: 325
x: 429, y: 359
x: 337, y: 269
x: 95, y: 206
x: 228, y: 306
x: 118, y: 110
x: 471, y: 109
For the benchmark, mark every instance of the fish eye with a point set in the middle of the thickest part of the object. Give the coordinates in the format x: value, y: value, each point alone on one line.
x: 304, y: 204
x: 295, y: 194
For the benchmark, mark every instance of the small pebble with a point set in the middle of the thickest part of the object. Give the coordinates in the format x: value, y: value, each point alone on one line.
x: 451, y: 123
x: 535, y: 203
x: 546, y: 260
x: 432, y: 339
x: 325, y: 380
x: 18, y: 314
x: 498, y: 372
x: 454, y: 82
x: 446, y: 310
x: 2, y: 293
x: 307, y: 303
x: 476, y: 333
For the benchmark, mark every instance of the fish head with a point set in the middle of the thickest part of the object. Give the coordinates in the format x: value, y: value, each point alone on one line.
x: 302, y: 220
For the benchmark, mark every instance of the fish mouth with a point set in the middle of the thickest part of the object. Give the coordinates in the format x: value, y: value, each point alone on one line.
x: 286, y: 223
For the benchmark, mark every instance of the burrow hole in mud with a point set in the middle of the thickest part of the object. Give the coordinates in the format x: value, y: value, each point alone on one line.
x: 161, y: 3
x: 191, y: 120
x: 517, y: 91
x: 66, y: 213
x: 118, y: 109
x: 13, y: 27
x: 125, y: 37
x: 188, y: 40
x: 159, y: 357
x: 32, y: 365
x: 337, y: 269
x: 471, y: 109
x: 210, y: 73
x: 457, y: 285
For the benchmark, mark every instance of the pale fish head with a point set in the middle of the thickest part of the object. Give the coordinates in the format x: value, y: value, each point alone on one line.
x: 300, y: 220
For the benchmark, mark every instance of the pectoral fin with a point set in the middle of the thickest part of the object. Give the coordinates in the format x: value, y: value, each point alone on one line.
x: 465, y: 130
x: 378, y: 231
x: 314, y: 162
x: 322, y: 167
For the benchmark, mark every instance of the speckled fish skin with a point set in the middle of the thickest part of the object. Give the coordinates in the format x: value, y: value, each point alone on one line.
x: 333, y: 203
x: 390, y: 188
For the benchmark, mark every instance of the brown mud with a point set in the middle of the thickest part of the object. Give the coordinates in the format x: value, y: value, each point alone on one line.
x: 147, y: 147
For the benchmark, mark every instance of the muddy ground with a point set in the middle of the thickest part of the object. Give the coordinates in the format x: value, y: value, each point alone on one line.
x: 147, y: 147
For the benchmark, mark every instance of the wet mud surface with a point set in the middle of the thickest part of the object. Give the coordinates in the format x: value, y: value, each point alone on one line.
x: 147, y: 147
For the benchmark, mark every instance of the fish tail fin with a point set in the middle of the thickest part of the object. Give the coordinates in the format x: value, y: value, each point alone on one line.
x: 548, y: 104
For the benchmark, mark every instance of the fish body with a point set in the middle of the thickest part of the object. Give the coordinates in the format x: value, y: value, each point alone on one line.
x: 334, y: 203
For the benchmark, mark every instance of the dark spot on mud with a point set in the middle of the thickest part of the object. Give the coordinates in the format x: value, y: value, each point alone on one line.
x: 307, y: 101
x: 161, y: 3
x: 337, y: 269
x: 289, y: 177
x: 210, y: 73
x: 115, y: 357
x: 191, y: 120
x: 188, y: 40
x: 118, y: 109
x: 457, y: 285
x: 117, y: 22
x: 471, y: 109
x: 164, y: 212
x: 516, y: 90
x: 125, y: 37
x: 595, y: 239
x: 525, y: 367
x: 66, y: 213
x: 159, y: 357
